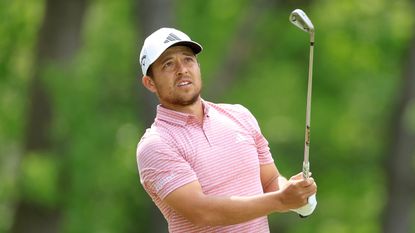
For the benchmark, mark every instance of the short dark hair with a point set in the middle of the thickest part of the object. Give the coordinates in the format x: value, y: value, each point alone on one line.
x: 150, y: 71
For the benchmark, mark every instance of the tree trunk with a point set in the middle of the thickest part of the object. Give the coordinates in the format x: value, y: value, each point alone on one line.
x: 153, y: 15
x: 58, y: 40
x: 399, y: 167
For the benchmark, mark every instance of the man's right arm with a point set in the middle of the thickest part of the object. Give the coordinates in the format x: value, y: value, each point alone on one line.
x: 203, y: 210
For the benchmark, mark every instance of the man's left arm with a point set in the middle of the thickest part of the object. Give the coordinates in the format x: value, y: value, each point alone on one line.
x: 271, y: 179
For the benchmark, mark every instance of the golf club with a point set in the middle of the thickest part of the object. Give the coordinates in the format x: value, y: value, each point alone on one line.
x: 300, y: 19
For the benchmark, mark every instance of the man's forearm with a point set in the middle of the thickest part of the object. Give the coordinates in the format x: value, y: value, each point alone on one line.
x: 234, y: 209
x: 275, y: 184
x: 205, y: 210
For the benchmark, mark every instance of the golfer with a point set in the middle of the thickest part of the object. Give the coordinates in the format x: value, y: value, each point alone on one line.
x: 207, y: 166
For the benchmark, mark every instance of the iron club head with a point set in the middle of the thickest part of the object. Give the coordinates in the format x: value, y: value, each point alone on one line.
x: 300, y: 19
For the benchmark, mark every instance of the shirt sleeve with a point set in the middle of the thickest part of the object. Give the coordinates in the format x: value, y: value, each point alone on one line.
x: 161, y: 168
x: 264, y: 153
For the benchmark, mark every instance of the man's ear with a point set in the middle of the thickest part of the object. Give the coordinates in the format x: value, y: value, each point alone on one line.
x: 149, y: 83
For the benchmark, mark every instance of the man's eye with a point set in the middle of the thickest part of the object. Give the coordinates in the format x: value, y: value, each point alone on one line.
x: 168, y: 64
x: 189, y: 59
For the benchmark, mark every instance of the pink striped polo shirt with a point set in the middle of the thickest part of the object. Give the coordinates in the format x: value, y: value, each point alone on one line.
x: 224, y: 154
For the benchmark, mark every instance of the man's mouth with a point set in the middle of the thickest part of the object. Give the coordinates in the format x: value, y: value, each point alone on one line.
x: 184, y: 83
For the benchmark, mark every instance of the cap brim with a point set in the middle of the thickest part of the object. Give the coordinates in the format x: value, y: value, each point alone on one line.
x: 196, y: 47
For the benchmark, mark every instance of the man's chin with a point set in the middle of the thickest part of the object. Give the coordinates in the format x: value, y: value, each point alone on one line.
x: 186, y: 102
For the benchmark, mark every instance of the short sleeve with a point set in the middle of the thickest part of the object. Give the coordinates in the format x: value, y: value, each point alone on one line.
x: 264, y: 154
x: 161, y: 168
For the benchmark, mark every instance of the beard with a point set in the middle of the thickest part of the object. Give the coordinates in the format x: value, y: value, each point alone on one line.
x: 180, y: 99
x: 185, y: 102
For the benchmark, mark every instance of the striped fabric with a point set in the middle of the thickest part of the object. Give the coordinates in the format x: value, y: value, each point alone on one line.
x: 224, y: 154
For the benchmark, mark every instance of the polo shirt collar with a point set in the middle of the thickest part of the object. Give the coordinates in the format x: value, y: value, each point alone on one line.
x: 176, y: 117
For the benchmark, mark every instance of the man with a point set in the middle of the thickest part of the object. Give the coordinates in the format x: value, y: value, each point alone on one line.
x: 207, y: 166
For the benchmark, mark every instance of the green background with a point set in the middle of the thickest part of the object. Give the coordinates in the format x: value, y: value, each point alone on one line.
x: 87, y: 174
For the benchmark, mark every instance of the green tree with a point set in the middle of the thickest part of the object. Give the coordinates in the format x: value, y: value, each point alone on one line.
x: 37, y: 209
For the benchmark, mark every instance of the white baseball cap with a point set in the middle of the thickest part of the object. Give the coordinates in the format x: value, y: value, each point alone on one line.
x: 160, y: 40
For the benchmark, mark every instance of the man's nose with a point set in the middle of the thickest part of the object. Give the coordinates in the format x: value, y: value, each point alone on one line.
x: 181, y: 68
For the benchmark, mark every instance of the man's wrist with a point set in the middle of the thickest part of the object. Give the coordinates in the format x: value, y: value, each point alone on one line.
x: 278, y: 204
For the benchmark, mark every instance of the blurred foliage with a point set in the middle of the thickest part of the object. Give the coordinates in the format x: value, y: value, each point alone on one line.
x: 39, y: 179
x: 359, y: 57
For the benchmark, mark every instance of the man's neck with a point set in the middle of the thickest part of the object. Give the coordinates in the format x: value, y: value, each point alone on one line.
x: 195, y: 109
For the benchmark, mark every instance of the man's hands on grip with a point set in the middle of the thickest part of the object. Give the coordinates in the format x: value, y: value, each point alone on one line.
x: 296, y: 191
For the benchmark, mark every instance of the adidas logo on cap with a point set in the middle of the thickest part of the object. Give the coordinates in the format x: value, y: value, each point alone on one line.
x: 171, y: 37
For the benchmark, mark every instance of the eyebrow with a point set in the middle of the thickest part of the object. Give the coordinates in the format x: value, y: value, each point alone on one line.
x: 169, y: 56
x: 188, y: 53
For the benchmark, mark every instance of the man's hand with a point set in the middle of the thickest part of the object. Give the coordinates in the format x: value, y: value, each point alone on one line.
x: 296, y: 191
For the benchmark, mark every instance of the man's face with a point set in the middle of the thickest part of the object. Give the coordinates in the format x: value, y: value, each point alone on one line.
x: 176, y: 77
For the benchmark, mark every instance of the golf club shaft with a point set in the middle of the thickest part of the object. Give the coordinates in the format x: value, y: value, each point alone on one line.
x: 306, y: 163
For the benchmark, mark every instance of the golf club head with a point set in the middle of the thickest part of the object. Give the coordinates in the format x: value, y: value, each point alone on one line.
x: 300, y: 19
